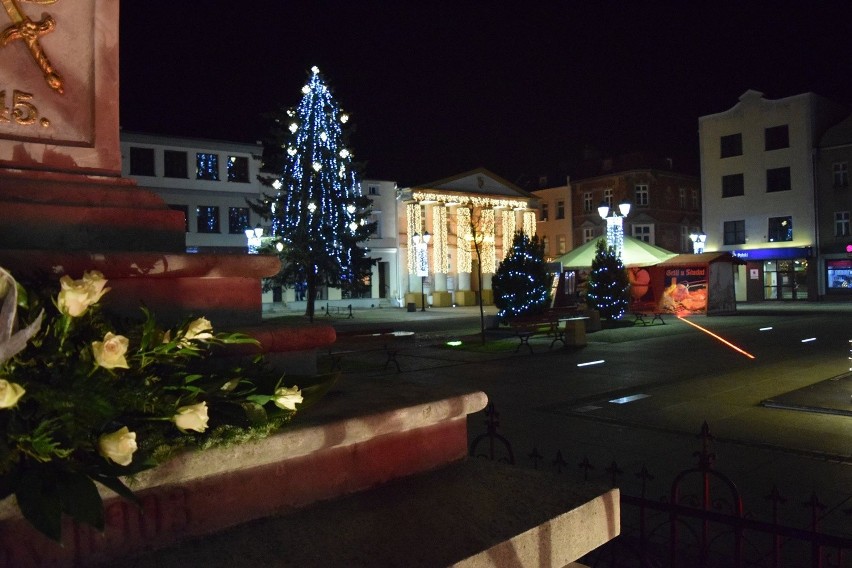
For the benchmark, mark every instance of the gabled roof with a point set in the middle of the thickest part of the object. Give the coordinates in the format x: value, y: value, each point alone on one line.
x: 479, y: 181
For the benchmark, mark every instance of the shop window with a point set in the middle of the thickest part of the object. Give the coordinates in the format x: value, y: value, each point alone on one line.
x: 141, y: 161
x: 175, y: 164
x: 238, y: 220
x: 778, y: 179
x: 733, y: 185
x: 207, y: 219
x: 207, y: 166
x: 838, y: 275
x: 731, y: 145
x: 841, y: 223
x: 238, y: 169
x: 777, y: 137
x: 780, y: 229
x: 734, y: 232
x: 185, y: 210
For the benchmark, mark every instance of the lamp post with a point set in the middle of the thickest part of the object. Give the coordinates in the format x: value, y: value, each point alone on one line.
x: 698, y: 240
x: 253, y: 236
x: 420, y: 244
x: 614, y: 223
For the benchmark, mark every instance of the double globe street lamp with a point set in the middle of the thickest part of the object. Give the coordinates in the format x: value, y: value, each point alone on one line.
x: 614, y: 223
x: 698, y: 240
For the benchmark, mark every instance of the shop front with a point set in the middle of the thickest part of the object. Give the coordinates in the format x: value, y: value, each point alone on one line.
x: 786, y: 273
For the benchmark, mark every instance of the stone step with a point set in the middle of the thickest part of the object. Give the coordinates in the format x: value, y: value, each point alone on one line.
x: 469, y: 514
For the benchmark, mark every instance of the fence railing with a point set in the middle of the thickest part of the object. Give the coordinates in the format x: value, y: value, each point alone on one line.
x: 701, y: 522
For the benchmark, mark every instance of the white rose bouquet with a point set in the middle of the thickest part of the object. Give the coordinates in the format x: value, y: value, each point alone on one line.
x: 87, y: 399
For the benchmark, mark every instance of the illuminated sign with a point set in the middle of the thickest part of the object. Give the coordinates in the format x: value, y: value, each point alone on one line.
x: 782, y: 253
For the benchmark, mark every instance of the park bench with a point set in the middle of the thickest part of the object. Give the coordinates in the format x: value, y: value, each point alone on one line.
x: 646, y: 314
x: 339, y: 310
x: 390, y: 342
x: 528, y: 326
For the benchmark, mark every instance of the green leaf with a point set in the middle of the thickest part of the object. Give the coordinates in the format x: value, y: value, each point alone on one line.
x: 80, y: 499
x: 39, y: 501
x: 260, y: 399
x: 120, y: 488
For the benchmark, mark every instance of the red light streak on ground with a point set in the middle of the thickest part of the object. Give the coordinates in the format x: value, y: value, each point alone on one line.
x: 722, y: 339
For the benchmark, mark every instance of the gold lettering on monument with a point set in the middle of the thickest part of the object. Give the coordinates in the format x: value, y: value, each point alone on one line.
x: 24, y: 29
x: 22, y: 111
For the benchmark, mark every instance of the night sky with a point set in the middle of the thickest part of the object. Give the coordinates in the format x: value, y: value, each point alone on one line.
x: 439, y: 88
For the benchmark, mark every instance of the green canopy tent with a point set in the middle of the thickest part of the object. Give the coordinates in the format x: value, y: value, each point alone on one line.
x: 634, y: 253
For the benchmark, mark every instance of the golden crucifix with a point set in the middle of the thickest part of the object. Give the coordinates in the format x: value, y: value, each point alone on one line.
x: 24, y: 29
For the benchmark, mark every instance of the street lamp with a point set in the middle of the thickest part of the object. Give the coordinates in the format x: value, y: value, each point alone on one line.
x: 420, y: 244
x: 253, y: 236
x: 614, y: 223
x: 698, y: 240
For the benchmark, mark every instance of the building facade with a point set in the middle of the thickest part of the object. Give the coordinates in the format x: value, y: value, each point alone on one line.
x: 555, y: 224
x: 833, y: 208
x: 471, y: 220
x: 757, y: 176
x: 665, y: 205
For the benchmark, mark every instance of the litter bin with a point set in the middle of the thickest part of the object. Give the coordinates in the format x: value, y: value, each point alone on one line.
x: 411, y: 306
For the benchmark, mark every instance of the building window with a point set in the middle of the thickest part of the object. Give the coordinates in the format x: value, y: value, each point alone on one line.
x: 588, y: 234
x: 731, y: 145
x: 685, y: 241
x: 644, y: 233
x: 560, y: 209
x: 207, y: 219
x: 640, y: 195
x: 142, y: 161
x: 376, y: 217
x: 174, y: 164
x: 238, y: 220
x: 587, y: 202
x: 778, y: 179
x: 841, y: 174
x: 777, y: 137
x: 841, y: 223
x: 546, y: 244
x: 608, y: 197
x: 185, y: 210
x: 733, y: 185
x: 696, y: 205
x: 561, y: 244
x: 780, y: 229
x: 207, y: 166
x: 681, y: 195
x: 734, y: 232
x: 238, y: 169
x: 544, y: 212
x: 372, y: 190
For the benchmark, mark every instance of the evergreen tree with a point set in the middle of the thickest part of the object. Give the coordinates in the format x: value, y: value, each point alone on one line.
x: 521, y: 283
x: 608, y: 283
x: 317, y: 211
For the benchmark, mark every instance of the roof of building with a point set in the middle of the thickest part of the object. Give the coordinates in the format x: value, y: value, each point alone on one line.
x: 838, y: 135
x: 479, y: 181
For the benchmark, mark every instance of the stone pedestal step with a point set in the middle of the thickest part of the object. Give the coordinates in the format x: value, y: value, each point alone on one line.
x: 471, y: 513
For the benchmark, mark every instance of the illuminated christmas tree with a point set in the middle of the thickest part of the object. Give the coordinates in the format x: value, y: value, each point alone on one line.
x: 521, y: 282
x: 317, y: 212
x: 608, y: 283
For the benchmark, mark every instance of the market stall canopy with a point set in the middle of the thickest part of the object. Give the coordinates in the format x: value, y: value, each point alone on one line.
x: 635, y: 253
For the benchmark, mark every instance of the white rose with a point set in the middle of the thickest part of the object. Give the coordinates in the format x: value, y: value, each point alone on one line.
x: 287, y: 398
x: 118, y: 446
x: 193, y: 417
x: 77, y: 295
x: 10, y: 393
x: 199, y: 329
x: 110, y: 352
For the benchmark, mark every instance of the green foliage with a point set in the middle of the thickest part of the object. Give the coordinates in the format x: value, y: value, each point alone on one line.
x: 608, y: 283
x: 521, y: 284
x: 85, y: 399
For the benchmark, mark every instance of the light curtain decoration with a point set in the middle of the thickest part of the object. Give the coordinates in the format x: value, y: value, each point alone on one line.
x: 463, y: 234
x: 439, y: 239
x: 469, y: 200
x: 488, y: 252
x: 508, y: 230
x: 415, y: 225
x: 529, y: 223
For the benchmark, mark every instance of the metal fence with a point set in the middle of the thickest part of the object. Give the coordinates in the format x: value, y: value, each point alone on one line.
x: 700, y: 522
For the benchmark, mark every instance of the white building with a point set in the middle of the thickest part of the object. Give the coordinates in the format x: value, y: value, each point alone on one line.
x: 757, y: 178
x: 211, y: 182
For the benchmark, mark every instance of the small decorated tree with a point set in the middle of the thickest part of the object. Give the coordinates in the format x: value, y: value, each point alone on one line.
x: 608, y: 283
x: 521, y: 282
